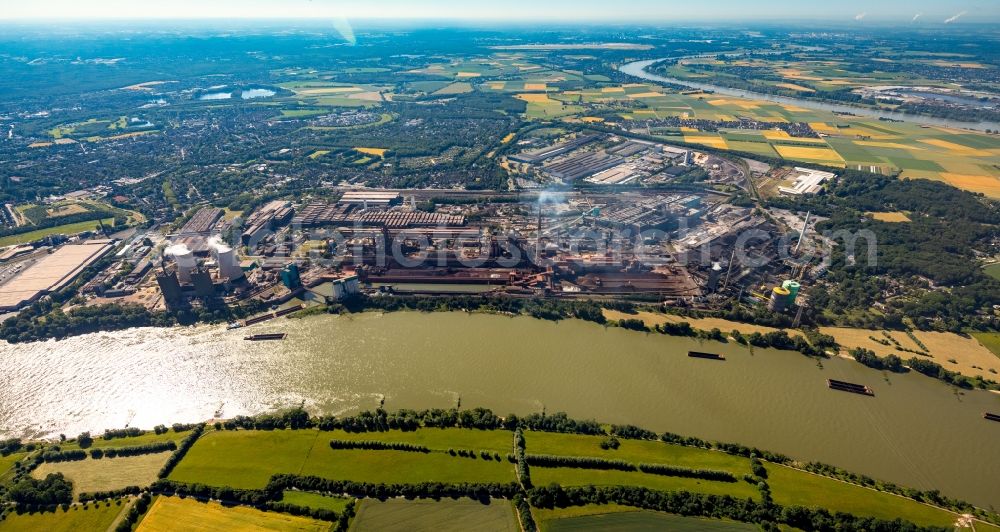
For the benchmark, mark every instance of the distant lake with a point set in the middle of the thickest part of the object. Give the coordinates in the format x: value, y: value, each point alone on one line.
x: 257, y: 93
x: 216, y: 96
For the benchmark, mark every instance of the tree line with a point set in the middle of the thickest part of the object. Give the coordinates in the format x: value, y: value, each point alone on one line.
x: 182, y: 450
x: 135, y: 450
x: 375, y: 445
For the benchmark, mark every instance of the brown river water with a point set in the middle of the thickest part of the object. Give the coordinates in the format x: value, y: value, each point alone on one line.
x: 916, y: 431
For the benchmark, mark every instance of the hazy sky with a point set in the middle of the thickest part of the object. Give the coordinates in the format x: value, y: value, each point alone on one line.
x: 930, y: 11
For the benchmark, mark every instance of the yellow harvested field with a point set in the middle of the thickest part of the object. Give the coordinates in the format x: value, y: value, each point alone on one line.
x: 956, y: 148
x: 823, y: 127
x: 326, y: 90
x: 802, y: 152
x: 892, y: 217
x: 498, y: 85
x: 776, y: 134
x: 742, y: 104
x: 173, y: 513
x: 795, y: 87
x: 535, y: 87
x: 591, y: 119
x: 107, y: 474
x: 654, y: 318
x: 966, y: 351
x: 988, y: 185
x: 468, y: 74
x: 613, y: 89
x: 687, y: 129
x: 715, y: 142
x: 318, y: 153
x: 646, y: 95
x: 39, y: 144
x: 508, y: 138
x: 534, y: 97
x: 380, y: 152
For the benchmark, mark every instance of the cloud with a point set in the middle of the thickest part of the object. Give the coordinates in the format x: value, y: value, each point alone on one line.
x: 915, y: 17
x: 954, y: 18
x: 861, y: 16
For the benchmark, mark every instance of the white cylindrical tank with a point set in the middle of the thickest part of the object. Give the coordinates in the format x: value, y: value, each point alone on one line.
x: 228, y: 267
x: 186, y: 263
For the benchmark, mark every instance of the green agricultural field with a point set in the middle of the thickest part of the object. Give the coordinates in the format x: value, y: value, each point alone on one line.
x: 145, y: 439
x: 107, y: 474
x: 990, y: 341
x: 68, y: 229
x: 500, y: 441
x: 993, y: 270
x: 7, y: 462
x: 635, y: 451
x: 794, y: 487
x: 173, y: 513
x: 464, y: 515
x: 248, y: 459
x: 544, y: 516
x: 567, y: 476
x: 641, y: 521
x: 76, y: 519
x: 315, y: 500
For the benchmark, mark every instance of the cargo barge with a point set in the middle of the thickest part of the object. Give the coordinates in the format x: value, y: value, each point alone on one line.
x: 845, y: 386
x: 261, y: 337
x: 991, y: 417
x: 709, y: 356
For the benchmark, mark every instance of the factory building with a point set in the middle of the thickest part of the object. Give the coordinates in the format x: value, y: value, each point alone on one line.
x: 51, y: 273
x: 581, y: 165
x: 266, y: 218
x: 370, y: 198
x: 806, y: 181
x: 203, y: 221
x: 548, y: 152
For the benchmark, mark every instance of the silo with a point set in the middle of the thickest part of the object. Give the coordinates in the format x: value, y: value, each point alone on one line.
x: 793, y: 290
x: 779, y: 299
x: 186, y: 263
x: 228, y: 267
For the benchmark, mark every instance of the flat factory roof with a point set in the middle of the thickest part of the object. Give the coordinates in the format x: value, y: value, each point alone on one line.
x: 52, y: 272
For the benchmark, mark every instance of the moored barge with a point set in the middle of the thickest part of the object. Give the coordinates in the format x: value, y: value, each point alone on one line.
x: 845, y: 386
x: 261, y: 337
x: 709, y: 356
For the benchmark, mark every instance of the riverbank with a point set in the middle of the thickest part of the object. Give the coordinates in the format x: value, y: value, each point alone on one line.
x: 639, y: 69
x: 338, y: 364
x: 253, y: 460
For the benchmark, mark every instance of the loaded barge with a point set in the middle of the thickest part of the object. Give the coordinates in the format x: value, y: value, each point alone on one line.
x: 269, y: 336
x: 845, y: 386
x: 991, y: 417
x: 709, y: 356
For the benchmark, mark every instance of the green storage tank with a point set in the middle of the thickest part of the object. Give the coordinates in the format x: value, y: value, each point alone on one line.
x: 793, y: 289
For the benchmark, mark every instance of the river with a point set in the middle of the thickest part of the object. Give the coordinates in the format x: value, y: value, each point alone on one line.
x: 916, y: 431
x: 638, y: 69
